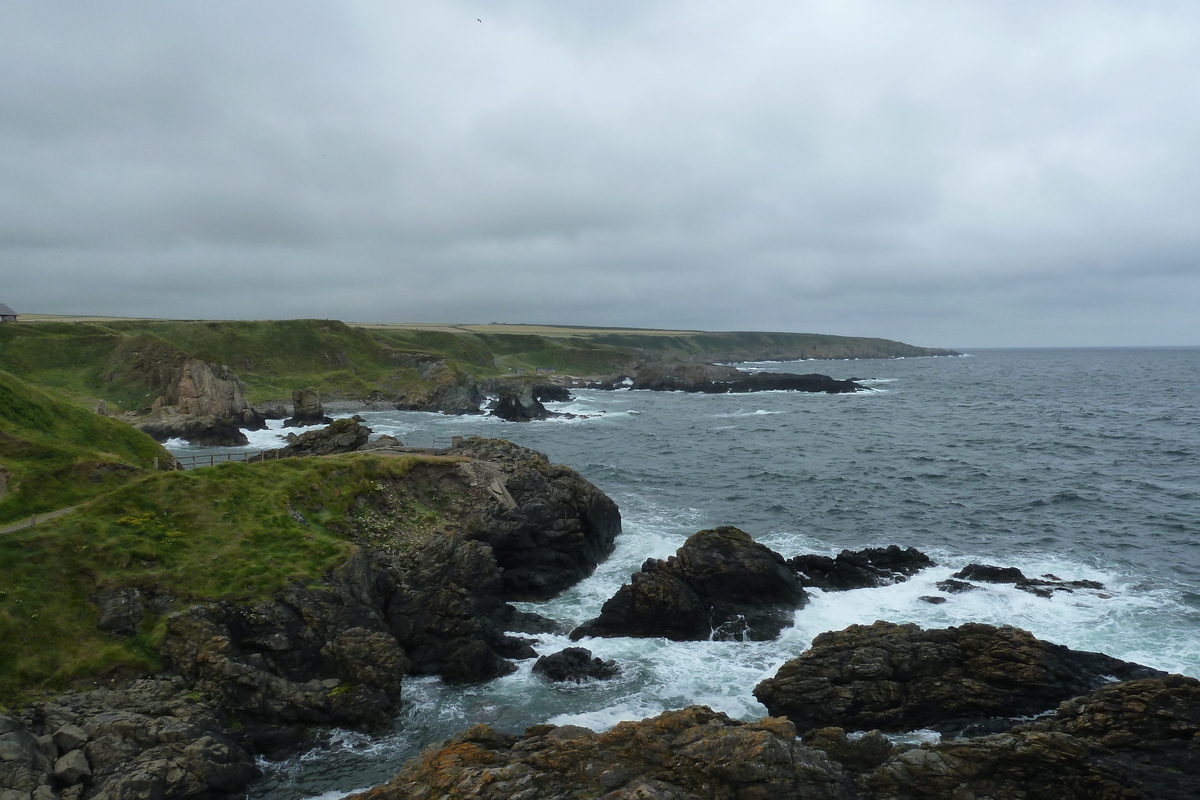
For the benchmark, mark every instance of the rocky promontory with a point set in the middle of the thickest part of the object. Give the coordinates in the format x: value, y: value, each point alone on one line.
x: 694, y: 376
x: 203, y: 403
x: 435, y: 548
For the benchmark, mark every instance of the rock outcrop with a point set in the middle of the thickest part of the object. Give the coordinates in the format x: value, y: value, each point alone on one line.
x: 720, y: 584
x: 146, y: 740
x: 547, y: 526
x: 860, y: 569
x: 306, y: 410
x: 1134, y: 739
x: 205, y: 404
x: 1138, y: 739
x: 694, y: 376
x: 425, y: 595
x: 440, y: 386
x: 1044, y: 586
x: 342, y: 436
x: 691, y: 754
x: 519, y: 404
x: 900, y: 677
x: 575, y: 664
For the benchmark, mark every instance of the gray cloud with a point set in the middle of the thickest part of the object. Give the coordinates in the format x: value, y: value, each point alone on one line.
x: 946, y: 173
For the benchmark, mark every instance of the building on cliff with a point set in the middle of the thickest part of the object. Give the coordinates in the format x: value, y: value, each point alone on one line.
x: 7, y: 314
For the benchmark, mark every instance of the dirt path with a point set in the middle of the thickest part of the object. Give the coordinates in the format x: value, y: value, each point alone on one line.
x: 33, y: 521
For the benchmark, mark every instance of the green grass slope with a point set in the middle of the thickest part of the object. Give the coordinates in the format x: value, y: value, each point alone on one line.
x: 55, y: 454
x: 126, y: 362
x: 228, y: 532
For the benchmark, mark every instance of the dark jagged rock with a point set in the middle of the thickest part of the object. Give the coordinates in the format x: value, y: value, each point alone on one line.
x: 870, y: 567
x: 951, y: 586
x: 900, y: 677
x: 443, y: 388
x: 145, y: 740
x: 517, y: 404
x: 693, y: 376
x: 342, y: 436
x: 207, y: 431
x: 551, y: 393
x: 575, y: 664
x: 547, y: 526
x: 1139, y: 739
x: 691, y: 754
x: 1124, y: 740
x: 306, y: 410
x: 1045, y: 586
x: 720, y: 584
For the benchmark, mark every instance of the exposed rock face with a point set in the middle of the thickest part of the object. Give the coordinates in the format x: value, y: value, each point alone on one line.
x: 1135, y: 739
x: 412, y: 599
x: 693, y: 376
x: 306, y: 410
x: 900, y: 677
x: 441, y: 387
x: 861, y: 569
x: 720, y: 584
x: 575, y: 664
x: 146, y: 740
x: 517, y: 404
x: 692, y: 754
x: 1127, y: 740
x: 205, y: 405
x: 343, y: 436
x: 548, y: 527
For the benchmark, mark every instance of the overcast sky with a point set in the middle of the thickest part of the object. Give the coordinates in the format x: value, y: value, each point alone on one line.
x: 957, y: 174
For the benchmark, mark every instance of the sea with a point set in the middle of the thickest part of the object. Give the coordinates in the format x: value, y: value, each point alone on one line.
x: 1079, y: 463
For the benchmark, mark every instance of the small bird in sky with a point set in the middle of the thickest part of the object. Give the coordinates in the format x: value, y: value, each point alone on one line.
x: 477, y: 19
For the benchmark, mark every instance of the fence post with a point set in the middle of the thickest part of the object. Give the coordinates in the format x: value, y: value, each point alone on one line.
x: 156, y: 463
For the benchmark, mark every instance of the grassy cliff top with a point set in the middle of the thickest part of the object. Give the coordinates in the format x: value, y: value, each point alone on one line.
x: 55, y: 454
x: 124, y: 361
x: 235, y: 532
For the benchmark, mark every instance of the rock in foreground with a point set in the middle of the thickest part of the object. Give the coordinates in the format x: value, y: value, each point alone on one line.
x: 679, y: 755
x: 1139, y: 739
x: 721, y: 584
x: 900, y: 678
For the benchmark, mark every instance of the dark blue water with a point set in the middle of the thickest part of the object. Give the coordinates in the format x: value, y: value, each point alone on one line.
x: 1081, y: 463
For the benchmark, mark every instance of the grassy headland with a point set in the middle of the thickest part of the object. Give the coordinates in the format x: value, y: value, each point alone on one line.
x: 123, y: 361
x: 237, y: 532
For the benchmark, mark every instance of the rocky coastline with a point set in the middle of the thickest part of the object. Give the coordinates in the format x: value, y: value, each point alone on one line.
x: 1019, y: 717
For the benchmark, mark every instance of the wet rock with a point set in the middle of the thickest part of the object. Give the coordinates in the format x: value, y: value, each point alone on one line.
x: 900, y: 677
x: 951, y: 586
x: 306, y: 410
x: 870, y: 567
x: 694, y: 376
x: 720, y: 584
x: 859, y: 754
x: 517, y: 404
x: 932, y: 599
x: 693, y: 753
x: 575, y: 664
x: 1045, y: 586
